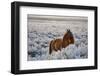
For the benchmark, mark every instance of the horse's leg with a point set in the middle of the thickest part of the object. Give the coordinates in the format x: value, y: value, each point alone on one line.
x: 60, y: 48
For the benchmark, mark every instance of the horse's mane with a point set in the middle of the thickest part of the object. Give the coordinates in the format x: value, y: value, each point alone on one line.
x: 67, y: 35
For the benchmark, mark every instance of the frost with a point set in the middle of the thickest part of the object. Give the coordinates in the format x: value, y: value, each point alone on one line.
x: 39, y: 39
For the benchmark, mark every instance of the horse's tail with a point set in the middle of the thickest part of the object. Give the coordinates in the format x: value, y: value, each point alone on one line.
x: 50, y: 47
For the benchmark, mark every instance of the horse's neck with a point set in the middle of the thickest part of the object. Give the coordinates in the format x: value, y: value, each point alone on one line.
x: 64, y: 42
x: 65, y: 37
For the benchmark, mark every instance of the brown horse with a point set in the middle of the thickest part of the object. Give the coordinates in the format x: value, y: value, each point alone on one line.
x: 58, y: 44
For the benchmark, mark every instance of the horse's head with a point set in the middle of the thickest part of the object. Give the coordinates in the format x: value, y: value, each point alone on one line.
x: 68, y: 37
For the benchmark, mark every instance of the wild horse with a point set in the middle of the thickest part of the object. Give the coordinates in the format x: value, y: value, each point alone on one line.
x: 58, y: 44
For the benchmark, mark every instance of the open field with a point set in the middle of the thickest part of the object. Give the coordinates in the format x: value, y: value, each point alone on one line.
x: 43, y: 29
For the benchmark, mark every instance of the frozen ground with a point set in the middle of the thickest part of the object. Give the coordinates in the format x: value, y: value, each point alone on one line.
x: 42, y: 31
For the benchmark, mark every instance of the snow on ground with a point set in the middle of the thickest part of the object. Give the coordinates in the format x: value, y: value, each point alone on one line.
x: 42, y: 31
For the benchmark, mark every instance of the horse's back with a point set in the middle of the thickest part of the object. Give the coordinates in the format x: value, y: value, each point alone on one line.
x: 55, y: 45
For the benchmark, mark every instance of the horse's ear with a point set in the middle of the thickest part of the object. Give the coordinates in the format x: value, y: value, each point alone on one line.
x: 68, y: 30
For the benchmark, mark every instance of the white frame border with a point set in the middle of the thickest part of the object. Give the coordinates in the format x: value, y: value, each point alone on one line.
x: 24, y: 64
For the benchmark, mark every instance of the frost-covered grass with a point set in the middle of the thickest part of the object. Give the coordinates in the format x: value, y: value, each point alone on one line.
x: 41, y: 32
